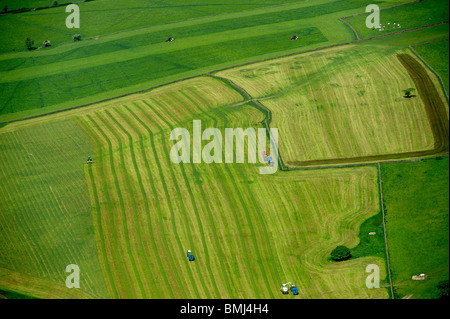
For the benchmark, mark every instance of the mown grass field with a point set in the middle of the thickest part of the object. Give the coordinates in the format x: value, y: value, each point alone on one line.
x: 327, y: 105
x: 46, y: 221
x: 128, y: 219
x: 147, y: 211
x: 416, y: 199
x: 128, y: 53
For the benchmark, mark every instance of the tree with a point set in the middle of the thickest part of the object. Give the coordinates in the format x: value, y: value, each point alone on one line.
x: 54, y: 3
x: 5, y: 9
x: 76, y: 37
x: 408, y: 92
x: 340, y: 253
x: 29, y: 43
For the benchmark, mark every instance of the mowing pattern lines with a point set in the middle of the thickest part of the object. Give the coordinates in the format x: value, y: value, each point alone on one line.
x: 44, y: 199
x: 330, y: 107
x: 150, y: 210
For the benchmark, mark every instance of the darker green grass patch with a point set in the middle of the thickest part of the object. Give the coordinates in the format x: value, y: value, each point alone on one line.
x: 50, y: 90
x: 13, y: 295
x: 416, y: 199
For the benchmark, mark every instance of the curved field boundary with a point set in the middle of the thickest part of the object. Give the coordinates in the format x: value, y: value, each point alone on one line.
x: 434, y: 108
x: 351, y: 28
x: 428, y: 66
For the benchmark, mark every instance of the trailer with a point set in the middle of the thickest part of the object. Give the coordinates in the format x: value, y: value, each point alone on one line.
x: 294, y: 290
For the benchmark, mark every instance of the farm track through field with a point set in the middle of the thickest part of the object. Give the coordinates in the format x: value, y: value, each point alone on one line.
x: 435, y: 109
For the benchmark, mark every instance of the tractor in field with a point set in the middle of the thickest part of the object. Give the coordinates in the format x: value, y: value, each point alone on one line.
x: 169, y: 39
x: 294, y: 290
x: 294, y: 37
x: 190, y: 256
x: 89, y: 160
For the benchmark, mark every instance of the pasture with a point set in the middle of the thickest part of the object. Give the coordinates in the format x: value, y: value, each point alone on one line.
x: 412, y: 15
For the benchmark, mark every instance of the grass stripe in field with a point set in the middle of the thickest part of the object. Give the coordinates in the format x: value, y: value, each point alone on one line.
x: 147, y: 193
x: 100, y: 236
x: 125, y: 196
x: 117, y: 228
x: 153, y: 229
x: 177, y: 190
x: 167, y: 198
x: 225, y: 192
x: 207, y: 204
x: 143, y: 274
x: 97, y: 217
x: 105, y: 225
x: 244, y: 209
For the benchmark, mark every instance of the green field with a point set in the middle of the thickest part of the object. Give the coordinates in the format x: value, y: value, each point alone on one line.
x: 50, y: 208
x: 128, y: 219
x: 416, y: 200
x: 412, y: 15
x: 116, y: 58
x: 436, y: 54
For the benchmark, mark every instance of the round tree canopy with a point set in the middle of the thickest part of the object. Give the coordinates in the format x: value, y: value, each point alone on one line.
x: 340, y: 253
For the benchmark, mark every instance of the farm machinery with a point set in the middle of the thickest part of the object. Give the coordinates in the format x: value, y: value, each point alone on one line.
x: 285, y: 289
x: 190, y: 256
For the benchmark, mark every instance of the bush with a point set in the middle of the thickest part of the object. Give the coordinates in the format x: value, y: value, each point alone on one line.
x: 76, y: 37
x: 54, y: 3
x: 340, y: 253
x: 443, y: 289
x: 29, y: 44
